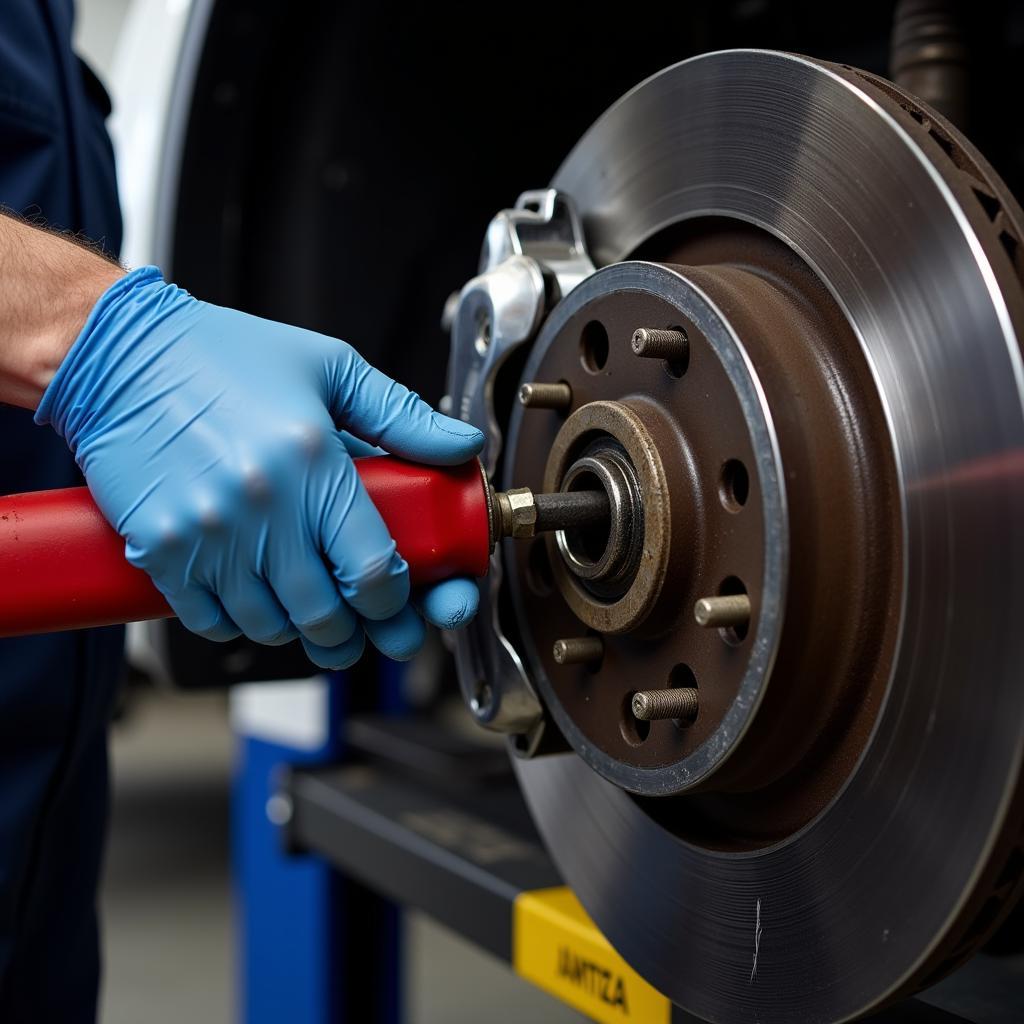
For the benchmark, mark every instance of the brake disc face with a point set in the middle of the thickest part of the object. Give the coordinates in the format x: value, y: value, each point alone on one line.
x: 836, y: 821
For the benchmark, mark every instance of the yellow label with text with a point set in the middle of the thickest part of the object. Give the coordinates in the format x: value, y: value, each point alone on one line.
x: 557, y: 947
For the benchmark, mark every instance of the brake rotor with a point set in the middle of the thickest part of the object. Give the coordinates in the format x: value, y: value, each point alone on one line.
x: 845, y: 838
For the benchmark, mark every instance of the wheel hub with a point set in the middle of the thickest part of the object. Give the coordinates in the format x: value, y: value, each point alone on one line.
x: 708, y: 453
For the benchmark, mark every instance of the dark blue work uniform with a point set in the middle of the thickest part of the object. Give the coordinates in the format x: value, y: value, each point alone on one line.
x: 56, y: 164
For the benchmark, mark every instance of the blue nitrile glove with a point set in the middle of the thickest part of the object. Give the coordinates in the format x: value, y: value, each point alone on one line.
x: 213, y: 442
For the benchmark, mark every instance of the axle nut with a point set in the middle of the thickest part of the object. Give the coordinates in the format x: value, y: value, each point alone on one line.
x: 518, y: 512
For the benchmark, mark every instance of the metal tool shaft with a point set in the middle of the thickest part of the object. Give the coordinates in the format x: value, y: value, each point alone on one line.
x: 562, y: 511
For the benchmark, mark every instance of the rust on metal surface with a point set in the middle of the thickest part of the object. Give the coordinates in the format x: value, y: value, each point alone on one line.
x: 602, y: 419
x: 836, y: 647
x: 684, y: 429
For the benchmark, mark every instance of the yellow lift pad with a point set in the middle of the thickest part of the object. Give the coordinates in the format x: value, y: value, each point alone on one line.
x: 558, y: 947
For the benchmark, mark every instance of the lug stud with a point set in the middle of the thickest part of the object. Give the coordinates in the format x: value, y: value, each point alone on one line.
x: 650, y: 343
x: 722, y: 612
x: 538, y: 395
x: 654, y: 705
x: 578, y: 650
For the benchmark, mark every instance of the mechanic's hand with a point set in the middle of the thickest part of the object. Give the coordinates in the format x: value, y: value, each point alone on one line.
x: 212, y: 441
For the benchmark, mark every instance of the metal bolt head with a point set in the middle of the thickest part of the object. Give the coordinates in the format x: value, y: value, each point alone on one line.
x: 522, y: 512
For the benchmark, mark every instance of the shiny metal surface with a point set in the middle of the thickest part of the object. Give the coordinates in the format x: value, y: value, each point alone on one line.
x: 543, y: 224
x: 497, y: 312
x: 722, y: 611
x: 681, y: 703
x: 870, y: 898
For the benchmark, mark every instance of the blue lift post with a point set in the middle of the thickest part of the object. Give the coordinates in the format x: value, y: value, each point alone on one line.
x: 313, y: 947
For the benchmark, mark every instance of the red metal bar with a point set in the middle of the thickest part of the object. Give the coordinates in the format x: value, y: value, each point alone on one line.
x: 62, y: 566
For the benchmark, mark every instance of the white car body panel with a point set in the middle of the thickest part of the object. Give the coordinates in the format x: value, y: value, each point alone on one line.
x: 151, y: 86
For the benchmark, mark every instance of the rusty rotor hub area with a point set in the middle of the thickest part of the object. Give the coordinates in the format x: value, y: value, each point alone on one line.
x: 611, y: 578
x: 746, y: 586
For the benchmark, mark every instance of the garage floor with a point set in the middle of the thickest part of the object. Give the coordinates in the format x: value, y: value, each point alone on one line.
x: 166, y: 898
x: 166, y: 901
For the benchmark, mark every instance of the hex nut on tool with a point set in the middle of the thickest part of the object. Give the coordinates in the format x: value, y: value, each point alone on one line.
x: 518, y: 512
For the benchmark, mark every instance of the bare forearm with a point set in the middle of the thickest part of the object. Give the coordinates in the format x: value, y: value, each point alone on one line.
x: 48, y: 285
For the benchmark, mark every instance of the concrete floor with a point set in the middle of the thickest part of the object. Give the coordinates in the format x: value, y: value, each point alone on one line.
x: 166, y: 900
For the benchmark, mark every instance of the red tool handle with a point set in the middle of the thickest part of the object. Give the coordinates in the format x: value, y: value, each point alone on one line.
x: 62, y: 566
